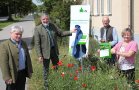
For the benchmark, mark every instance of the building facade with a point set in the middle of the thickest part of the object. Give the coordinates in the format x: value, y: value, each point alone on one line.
x: 122, y: 14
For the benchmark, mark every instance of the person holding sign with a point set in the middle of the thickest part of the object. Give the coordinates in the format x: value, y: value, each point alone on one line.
x: 108, y: 35
x: 126, y: 51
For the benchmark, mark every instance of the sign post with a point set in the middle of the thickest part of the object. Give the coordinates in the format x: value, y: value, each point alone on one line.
x: 80, y: 15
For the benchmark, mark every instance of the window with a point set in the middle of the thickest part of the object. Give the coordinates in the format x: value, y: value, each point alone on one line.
x: 100, y: 7
x: 106, y: 7
x: 94, y: 7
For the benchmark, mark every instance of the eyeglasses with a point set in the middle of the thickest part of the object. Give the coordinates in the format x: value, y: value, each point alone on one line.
x: 126, y: 35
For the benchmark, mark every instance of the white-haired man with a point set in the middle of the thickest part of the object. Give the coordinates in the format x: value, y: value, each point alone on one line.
x: 15, y: 60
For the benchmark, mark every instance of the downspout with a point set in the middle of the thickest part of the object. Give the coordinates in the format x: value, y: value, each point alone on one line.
x: 131, y: 17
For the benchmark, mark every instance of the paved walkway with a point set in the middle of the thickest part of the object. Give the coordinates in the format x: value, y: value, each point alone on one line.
x: 28, y: 24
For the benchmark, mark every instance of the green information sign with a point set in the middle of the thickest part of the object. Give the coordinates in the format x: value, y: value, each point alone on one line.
x: 105, y: 50
x: 83, y: 40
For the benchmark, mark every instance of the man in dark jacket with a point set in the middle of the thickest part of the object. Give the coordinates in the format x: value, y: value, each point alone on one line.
x: 108, y: 34
x: 46, y: 44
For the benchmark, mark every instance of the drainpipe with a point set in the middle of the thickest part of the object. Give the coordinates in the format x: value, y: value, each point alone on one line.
x: 131, y: 17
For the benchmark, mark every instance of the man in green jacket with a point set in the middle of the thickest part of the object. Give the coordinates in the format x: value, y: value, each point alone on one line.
x: 46, y: 44
x: 15, y: 60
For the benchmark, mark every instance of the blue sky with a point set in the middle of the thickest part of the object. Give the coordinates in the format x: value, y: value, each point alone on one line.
x: 36, y: 2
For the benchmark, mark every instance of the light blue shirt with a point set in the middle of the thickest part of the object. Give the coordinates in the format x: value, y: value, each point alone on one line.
x: 115, y: 37
x: 22, y: 58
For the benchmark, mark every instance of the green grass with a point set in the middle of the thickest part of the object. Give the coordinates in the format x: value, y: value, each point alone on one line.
x: 6, y: 23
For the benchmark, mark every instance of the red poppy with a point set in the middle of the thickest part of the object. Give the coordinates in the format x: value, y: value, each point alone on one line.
x: 70, y: 75
x: 80, y: 68
x: 53, y: 67
x: 93, y: 68
x: 60, y: 63
x: 137, y: 81
x: 76, y: 71
x: 84, y: 85
x: 62, y: 74
x: 70, y: 65
x: 75, y: 78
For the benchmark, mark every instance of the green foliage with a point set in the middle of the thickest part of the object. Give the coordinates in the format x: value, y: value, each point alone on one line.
x: 93, y: 47
x: 60, y: 14
x: 100, y: 77
x: 35, y: 83
x: 18, y: 7
x: 37, y: 19
x: 4, y: 24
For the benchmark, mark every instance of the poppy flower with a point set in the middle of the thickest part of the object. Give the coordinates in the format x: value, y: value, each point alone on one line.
x: 137, y: 81
x: 53, y: 67
x: 93, y: 68
x: 70, y: 75
x: 75, y: 78
x: 80, y: 68
x: 84, y: 85
x: 62, y: 74
x: 76, y: 71
x: 70, y: 65
x: 60, y: 63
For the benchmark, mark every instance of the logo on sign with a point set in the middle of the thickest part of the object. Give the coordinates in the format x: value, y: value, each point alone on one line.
x: 82, y: 10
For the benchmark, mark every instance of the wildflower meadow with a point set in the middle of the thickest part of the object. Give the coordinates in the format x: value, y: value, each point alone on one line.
x: 92, y: 74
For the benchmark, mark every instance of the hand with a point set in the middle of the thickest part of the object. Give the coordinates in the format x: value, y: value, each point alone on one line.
x: 118, y: 53
x: 73, y: 30
x: 9, y: 81
x: 98, y: 52
x: 40, y: 59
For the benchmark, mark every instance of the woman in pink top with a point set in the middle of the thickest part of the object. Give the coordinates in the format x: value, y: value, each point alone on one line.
x: 125, y: 51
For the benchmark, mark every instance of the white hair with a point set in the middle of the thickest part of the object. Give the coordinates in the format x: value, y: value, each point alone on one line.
x: 17, y: 29
x: 44, y: 15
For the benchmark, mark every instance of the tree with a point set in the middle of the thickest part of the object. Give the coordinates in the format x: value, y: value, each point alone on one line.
x: 21, y: 7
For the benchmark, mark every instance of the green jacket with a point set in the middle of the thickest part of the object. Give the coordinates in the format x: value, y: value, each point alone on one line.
x: 9, y: 58
x: 42, y: 42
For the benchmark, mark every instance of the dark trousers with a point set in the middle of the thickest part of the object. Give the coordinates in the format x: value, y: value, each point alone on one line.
x: 20, y: 82
x: 129, y: 74
x: 111, y: 61
x: 54, y: 58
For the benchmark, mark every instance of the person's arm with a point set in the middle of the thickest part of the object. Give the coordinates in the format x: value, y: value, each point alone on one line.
x: 115, y: 48
x: 115, y: 37
x: 126, y: 54
x: 113, y: 51
x: 59, y: 32
x: 28, y: 58
x: 4, y: 64
x: 37, y: 43
x: 132, y: 51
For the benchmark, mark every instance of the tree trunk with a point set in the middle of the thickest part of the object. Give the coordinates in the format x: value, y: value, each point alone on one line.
x: 9, y: 14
